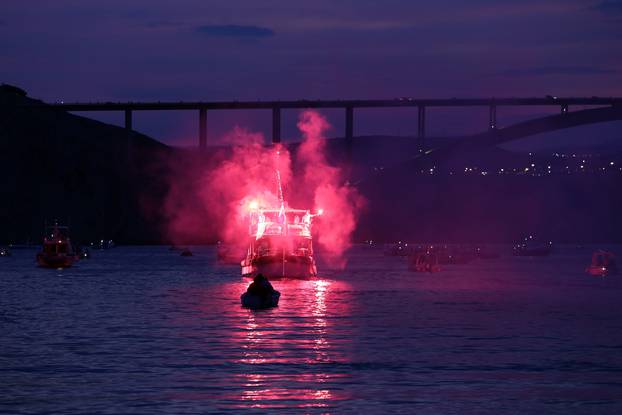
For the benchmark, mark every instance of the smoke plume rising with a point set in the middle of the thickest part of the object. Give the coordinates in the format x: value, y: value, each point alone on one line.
x: 215, y: 198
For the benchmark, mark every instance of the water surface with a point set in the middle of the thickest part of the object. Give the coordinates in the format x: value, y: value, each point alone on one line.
x: 144, y: 330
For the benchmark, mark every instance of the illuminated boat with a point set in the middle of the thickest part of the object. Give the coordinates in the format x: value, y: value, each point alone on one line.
x: 603, y: 264
x: 280, y: 244
x: 57, y: 251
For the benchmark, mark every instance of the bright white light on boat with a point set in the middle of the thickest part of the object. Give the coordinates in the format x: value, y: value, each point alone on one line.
x: 253, y: 205
x: 320, y: 211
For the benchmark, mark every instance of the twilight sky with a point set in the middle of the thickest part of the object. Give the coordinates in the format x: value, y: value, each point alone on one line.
x: 76, y: 50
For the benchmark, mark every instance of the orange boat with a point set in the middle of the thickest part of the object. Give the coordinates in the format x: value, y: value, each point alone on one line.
x: 603, y: 264
x: 57, y: 251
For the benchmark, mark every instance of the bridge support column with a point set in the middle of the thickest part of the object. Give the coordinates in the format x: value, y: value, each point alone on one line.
x: 492, y: 123
x: 276, y: 125
x: 421, y: 128
x: 564, y: 109
x: 349, y: 123
x: 202, y: 129
x: 128, y: 120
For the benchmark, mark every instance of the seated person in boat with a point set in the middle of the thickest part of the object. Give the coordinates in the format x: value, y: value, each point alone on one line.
x: 260, y: 286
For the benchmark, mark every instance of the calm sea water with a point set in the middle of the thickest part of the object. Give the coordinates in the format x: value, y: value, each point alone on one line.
x: 144, y: 330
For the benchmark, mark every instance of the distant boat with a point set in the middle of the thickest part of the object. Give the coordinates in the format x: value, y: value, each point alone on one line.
x: 398, y: 249
x: 57, y: 251
x: 5, y: 252
x: 186, y: 252
x: 453, y: 255
x: 531, y: 247
x: 424, y: 262
x: 603, y: 264
x: 103, y: 244
x: 83, y: 252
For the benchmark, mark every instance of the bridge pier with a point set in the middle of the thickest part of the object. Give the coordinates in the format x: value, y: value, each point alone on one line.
x: 202, y: 129
x: 421, y: 128
x: 492, y: 123
x: 128, y: 120
x: 349, y: 123
x: 276, y: 125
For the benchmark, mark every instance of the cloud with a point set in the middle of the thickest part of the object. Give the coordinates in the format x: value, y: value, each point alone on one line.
x: 609, y: 6
x: 556, y: 70
x: 235, y: 31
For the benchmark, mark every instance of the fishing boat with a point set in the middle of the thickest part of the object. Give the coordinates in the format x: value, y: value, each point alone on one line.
x: 280, y: 244
x: 57, y: 251
x: 603, y: 264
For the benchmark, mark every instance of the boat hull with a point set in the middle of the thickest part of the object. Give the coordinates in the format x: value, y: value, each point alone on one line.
x: 256, y: 302
x: 55, y: 261
x: 277, y: 267
x: 600, y: 271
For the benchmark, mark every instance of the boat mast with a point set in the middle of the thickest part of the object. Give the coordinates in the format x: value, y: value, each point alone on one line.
x: 279, y: 191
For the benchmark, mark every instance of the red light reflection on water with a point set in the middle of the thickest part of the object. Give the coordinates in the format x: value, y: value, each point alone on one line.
x: 297, y: 334
x: 292, y: 356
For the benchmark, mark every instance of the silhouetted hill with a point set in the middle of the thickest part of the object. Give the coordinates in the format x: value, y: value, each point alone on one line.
x: 58, y: 165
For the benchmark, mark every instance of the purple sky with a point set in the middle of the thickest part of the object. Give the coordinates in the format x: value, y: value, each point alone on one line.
x: 223, y: 50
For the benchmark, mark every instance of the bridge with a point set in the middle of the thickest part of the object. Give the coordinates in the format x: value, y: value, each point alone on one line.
x: 521, y: 130
x: 202, y: 107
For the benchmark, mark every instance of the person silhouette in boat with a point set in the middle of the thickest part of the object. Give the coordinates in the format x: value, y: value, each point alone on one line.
x: 260, y: 287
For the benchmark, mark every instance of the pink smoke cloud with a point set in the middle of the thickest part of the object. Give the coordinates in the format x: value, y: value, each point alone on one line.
x: 340, y: 202
x: 214, y: 198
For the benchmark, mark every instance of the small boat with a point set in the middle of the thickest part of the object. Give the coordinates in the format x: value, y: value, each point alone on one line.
x: 454, y: 255
x: 186, y: 252
x: 398, y: 249
x: 5, y: 252
x: 83, y: 252
x: 57, y: 251
x: 530, y: 247
x: 103, y: 244
x: 257, y: 302
x: 424, y: 262
x: 603, y: 264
